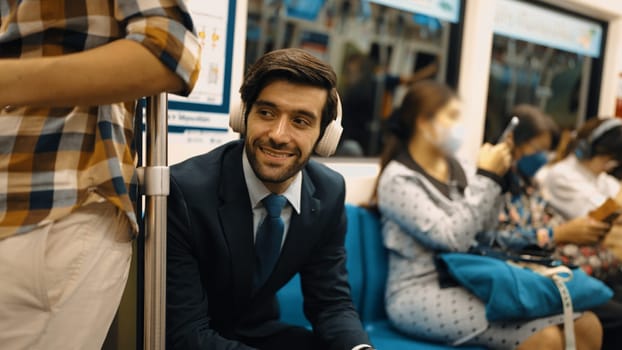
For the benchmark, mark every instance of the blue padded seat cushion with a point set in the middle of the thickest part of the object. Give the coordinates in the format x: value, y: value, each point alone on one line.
x: 384, y: 336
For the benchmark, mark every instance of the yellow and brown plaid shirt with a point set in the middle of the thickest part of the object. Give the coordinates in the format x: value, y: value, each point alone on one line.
x: 53, y: 159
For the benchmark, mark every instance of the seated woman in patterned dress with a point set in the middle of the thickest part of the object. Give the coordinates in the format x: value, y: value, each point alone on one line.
x: 428, y: 204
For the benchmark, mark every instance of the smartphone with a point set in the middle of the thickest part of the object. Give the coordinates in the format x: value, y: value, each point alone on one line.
x: 613, y: 217
x: 607, y: 212
x: 508, y: 129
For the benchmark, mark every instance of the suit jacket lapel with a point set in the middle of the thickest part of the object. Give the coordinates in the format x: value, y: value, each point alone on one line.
x: 236, y: 218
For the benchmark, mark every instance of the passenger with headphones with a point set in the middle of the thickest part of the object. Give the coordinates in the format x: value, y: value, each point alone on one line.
x: 580, y: 182
x: 532, y: 220
x: 244, y: 218
x: 575, y: 240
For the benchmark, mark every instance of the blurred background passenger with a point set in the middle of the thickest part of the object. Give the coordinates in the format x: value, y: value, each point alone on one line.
x: 527, y: 222
x: 430, y: 204
x: 368, y: 92
x: 580, y: 182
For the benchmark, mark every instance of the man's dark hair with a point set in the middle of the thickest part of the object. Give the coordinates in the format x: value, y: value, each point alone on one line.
x: 295, y: 66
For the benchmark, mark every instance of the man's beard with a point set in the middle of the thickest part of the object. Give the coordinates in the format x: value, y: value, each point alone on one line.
x: 285, y: 174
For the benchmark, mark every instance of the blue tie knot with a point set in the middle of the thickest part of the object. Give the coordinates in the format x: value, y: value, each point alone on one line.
x: 274, y: 203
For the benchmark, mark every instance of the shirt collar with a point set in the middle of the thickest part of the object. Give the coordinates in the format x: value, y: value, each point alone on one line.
x: 258, y: 191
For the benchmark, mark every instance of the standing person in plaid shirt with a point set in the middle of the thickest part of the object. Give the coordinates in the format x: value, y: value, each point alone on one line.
x: 70, y: 74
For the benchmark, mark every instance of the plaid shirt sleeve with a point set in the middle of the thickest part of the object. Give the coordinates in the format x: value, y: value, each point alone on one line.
x: 53, y: 160
x: 166, y: 29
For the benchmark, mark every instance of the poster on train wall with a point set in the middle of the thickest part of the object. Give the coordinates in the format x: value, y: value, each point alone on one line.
x: 199, y: 122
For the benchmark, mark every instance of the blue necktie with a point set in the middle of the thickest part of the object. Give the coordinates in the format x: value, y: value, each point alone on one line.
x: 268, y: 239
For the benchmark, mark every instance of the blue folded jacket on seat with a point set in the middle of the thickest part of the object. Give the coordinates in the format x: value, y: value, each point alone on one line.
x: 513, y: 293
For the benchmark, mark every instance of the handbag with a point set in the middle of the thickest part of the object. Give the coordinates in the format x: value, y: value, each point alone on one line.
x: 518, y: 287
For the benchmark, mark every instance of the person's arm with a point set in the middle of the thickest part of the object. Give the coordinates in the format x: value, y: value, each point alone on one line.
x: 516, y: 232
x: 581, y: 230
x: 403, y: 199
x: 187, y: 312
x: 451, y: 226
x: 122, y: 70
x: 327, y: 301
x: 159, y: 52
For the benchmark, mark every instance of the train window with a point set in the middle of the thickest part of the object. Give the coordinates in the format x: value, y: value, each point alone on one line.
x: 544, y: 57
x: 377, y: 47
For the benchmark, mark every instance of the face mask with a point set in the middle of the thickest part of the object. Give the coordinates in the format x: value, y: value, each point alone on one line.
x: 449, y: 139
x: 529, y: 165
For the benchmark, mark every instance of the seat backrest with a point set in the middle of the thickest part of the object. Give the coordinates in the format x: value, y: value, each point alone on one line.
x: 290, y: 302
x: 375, y: 268
x: 290, y: 296
x: 355, y: 256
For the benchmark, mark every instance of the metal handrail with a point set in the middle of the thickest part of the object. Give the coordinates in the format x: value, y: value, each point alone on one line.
x: 156, y: 188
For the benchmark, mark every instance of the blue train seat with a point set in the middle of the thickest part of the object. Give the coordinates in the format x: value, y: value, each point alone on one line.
x: 367, y: 272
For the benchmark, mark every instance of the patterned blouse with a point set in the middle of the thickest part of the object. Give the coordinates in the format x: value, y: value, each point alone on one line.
x: 525, y: 219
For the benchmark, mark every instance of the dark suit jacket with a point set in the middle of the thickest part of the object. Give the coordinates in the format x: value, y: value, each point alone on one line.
x: 210, y: 303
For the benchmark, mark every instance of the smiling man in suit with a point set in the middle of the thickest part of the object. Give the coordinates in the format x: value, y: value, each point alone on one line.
x: 246, y: 217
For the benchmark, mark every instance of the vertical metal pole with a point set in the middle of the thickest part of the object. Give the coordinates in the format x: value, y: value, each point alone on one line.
x: 155, y: 225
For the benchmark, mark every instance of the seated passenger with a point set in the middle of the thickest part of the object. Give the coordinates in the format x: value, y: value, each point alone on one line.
x: 244, y: 218
x: 540, y: 223
x: 580, y: 182
x: 528, y: 221
x: 527, y: 218
x: 430, y: 204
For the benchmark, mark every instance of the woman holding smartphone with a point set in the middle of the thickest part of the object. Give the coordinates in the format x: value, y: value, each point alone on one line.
x: 528, y: 220
x: 430, y: 203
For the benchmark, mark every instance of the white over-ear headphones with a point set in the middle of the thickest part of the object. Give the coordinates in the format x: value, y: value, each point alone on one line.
x: 325, y: 147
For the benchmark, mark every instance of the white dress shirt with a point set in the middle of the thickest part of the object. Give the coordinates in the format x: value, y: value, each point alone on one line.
x: 258, y: 191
